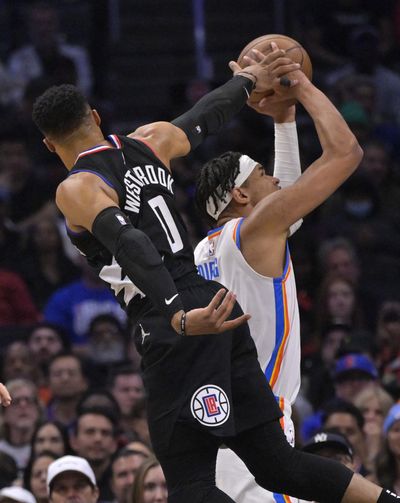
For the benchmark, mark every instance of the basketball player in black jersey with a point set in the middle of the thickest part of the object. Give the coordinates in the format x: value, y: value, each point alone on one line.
x: 205, y: 390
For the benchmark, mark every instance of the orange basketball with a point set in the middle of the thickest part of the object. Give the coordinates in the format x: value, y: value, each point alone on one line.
x: 293, y: 49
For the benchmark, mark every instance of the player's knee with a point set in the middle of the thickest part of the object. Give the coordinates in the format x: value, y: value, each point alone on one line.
x: 279, y: 475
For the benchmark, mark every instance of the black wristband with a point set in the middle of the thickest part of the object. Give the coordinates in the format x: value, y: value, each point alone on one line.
x: 243, y: 73
x: 183, y: 324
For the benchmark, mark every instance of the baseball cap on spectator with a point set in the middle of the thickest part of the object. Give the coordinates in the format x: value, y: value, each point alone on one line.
x: 17, y: 494
x: 353, y: 362
x: 391, y: 418
x: 70, y: 464
x: 325, y: 439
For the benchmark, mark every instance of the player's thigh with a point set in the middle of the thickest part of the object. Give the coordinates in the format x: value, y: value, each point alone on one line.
x: 190, y: 457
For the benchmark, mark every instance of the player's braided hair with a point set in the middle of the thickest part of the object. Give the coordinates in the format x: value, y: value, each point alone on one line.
x: 60, y: 110
x: 219, y: 172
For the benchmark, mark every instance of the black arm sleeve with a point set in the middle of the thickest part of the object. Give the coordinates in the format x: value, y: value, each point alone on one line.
x: 138, y: 258
x: 216, y: 108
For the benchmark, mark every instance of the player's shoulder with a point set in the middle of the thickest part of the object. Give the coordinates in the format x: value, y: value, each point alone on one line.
x: 76, y: 188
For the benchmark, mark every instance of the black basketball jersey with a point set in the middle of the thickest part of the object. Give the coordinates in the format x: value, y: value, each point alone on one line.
x: 145, y: 191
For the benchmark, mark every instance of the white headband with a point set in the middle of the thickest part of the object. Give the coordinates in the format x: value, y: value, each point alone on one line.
x: 246, y: 166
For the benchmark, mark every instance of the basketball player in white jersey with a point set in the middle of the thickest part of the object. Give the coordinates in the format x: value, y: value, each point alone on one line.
x: 271, y: 300
x: 247, y: 252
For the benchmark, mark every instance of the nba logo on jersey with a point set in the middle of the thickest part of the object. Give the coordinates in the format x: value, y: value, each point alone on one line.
x: 211, y: 248
x: 210, y: 405
x: 121, y: 219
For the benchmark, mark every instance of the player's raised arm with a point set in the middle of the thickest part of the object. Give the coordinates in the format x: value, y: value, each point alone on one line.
x: 212, y: 111
x: 341, y: 155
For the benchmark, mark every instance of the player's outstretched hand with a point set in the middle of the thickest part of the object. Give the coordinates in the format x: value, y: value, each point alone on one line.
x: 213, y: 319
x: 266, y: 69
x: 5, y: 398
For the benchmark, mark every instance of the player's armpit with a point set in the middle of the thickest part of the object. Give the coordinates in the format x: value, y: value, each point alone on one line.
x: 82, y: 197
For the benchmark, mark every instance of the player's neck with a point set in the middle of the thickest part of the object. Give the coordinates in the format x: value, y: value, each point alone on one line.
x: 80, y: 143
x: 230, y: 215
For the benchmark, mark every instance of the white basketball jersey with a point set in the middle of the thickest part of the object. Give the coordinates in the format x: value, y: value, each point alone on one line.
x: 275, y: 328
x: 271, y: 302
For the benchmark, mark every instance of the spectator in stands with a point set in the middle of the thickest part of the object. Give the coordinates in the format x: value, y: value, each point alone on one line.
x: 318, y: 371
x: 98, y: 398
x: 8, y: 470
x: 46, y: 268
x: 388, y: 340
x: 358, y: 119
x: 330, y: 443
x: 149, y: 485
x: 338, y: 255
x: 365, y: 60
x: 374, y: 403
x: 68, y: 382
x: 124, y: 466
x: 378, y: 167
x: 8, y: 94
x: 138, y: 445
x: 353, y: 373
x: 31, y: 195
x: 74, y: 306
x: 126, y: 385
x: 45, y: 340
x: 35, y: 475
x: 388, y: 462
x: 107, y: 342
x: 50, y: 436
x: 350, y: 422
x: 16, y: 305
x: 325, y: 30
x: 20, y: 420
x: 16, y: 495
x: 356, y: 212
x: 71, y: 478
x: 18, y: 362
x: 48, y: 55
x: 338, y: 304
x: 94, y: 438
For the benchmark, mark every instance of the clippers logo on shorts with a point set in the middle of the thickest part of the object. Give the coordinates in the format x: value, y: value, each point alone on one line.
x: 210, y: 405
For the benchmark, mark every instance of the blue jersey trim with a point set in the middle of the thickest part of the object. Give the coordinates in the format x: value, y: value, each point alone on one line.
x: 279, y: 498
x: 279, y: 326
x: 215, y: 230
x: 238, y: 232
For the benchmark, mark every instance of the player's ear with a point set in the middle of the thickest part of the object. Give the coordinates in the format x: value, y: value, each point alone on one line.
x: 49, y: 145
x: 240, y: 195
x: 97, y: 117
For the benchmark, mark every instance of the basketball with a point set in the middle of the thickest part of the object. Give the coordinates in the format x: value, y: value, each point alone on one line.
x: 293, y: 49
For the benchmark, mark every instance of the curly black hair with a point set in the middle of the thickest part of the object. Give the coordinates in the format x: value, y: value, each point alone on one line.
x: 60, y: 110
x: 219, y: 172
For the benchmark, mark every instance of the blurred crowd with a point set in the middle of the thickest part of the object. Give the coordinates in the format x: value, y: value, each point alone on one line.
x: 67, y: 349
